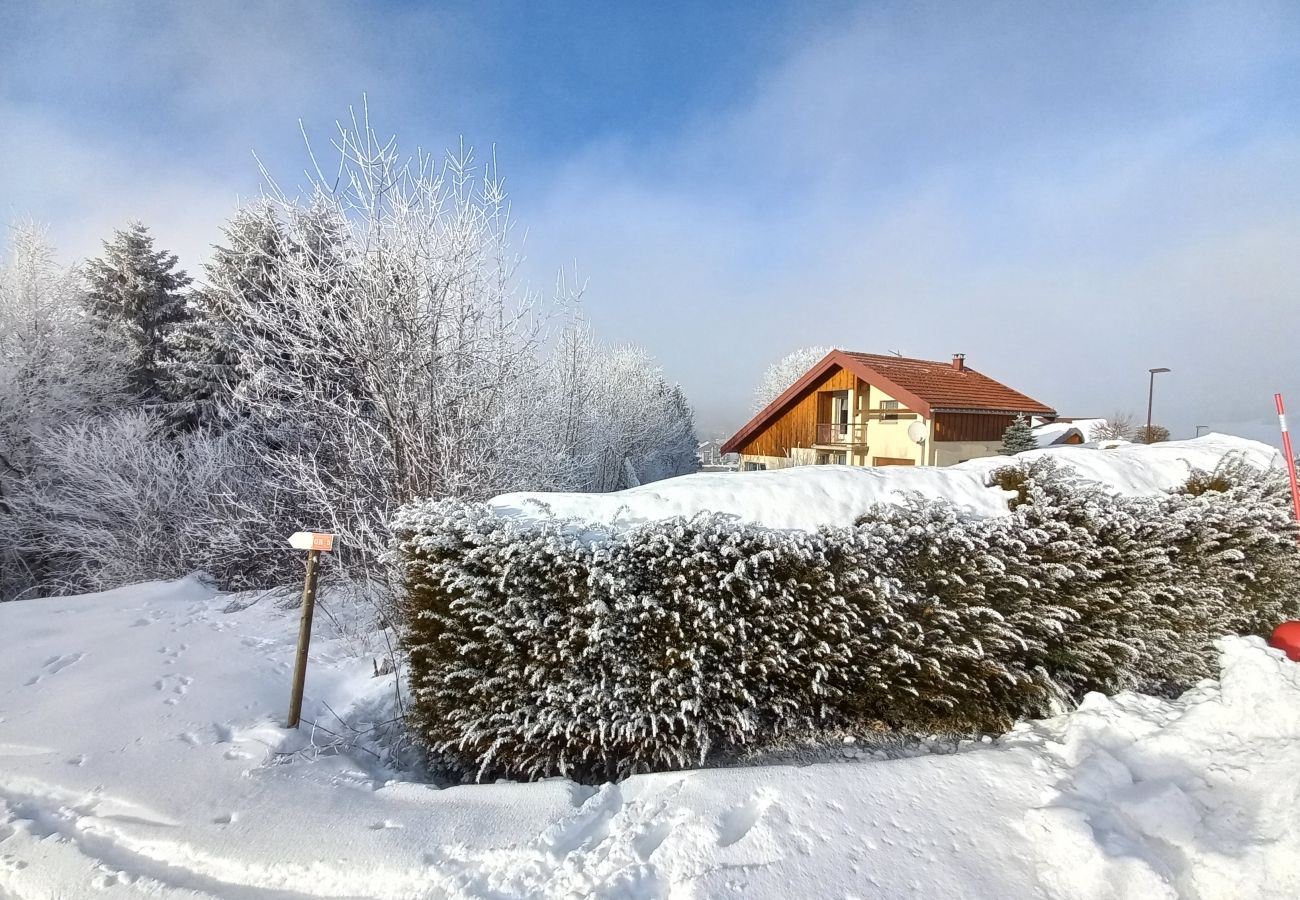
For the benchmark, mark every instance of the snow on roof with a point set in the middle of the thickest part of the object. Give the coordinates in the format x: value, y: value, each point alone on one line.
x: 1055, y: 433
x: 1050, y: 433
x: 806, y: 497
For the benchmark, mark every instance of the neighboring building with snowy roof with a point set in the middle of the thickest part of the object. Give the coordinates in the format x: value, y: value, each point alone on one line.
x: 1064, y: 431
x: 864, y: 409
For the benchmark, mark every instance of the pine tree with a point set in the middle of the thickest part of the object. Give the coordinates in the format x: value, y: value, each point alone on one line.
x: 214, y: 351
x: 1018, y: 437
x: 135, y: 299
x: 201, y: 370
x: 682, y: 454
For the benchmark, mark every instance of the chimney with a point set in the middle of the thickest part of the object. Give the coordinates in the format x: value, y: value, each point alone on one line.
x: 959, y: 362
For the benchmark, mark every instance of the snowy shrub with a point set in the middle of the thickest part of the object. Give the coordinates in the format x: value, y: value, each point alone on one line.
x: 54, y: 370
x: 953, y: 653
x: 539, y: 651
x: 568, y: 648
x: 1238, y: 540
x: 114, y: 503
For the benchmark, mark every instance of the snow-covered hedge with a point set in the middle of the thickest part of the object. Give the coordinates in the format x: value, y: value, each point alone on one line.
x: 561, y: 647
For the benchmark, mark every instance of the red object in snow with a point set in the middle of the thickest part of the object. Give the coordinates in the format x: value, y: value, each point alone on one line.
x: 1286, y: 637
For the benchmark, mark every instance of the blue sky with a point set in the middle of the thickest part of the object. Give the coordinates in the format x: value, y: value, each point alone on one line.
x: 1068, y: 193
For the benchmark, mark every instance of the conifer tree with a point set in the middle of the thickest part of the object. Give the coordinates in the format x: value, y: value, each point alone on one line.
x: 135, y: 299
x: 1018, y: 437
x: 213, y: 351
x: 201, y: 370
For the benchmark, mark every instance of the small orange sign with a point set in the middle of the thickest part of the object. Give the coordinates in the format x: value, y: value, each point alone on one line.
x: 312, y: 540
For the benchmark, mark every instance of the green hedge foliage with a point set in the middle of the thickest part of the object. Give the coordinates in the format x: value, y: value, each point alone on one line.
x: 567, y: 648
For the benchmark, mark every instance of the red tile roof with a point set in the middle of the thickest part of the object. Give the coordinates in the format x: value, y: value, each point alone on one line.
x: 942, y: 386
x: 924, y: 386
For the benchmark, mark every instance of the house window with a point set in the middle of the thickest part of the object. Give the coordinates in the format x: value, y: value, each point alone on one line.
x: 755, y: 467
x: 887, y: 416
x: 829, y: 458
x: 840, y: 411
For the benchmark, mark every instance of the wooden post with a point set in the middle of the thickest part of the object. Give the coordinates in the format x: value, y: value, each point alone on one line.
x: 313, y: 543
x: 304, y: 639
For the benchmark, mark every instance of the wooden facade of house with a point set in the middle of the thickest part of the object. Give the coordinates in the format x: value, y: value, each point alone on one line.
x: 797, y: 427
x: 952, y: 425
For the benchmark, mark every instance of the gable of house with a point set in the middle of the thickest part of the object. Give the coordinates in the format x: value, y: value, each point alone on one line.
x: 843, y: 401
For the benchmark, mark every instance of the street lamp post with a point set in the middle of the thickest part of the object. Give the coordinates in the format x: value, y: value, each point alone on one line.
x: 1151, y: 391
x: 1198, y: 429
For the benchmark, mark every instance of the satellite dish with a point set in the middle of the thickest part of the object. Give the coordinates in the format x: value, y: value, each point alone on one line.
x: 916, y: 431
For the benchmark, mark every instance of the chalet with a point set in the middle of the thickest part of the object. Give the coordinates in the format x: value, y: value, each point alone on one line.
x: 862, y: 409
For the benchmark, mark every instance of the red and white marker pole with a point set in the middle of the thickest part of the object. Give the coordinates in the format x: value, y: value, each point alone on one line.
x: 1289, y: 453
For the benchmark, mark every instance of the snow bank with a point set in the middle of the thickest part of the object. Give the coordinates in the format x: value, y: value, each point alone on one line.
x: 1194, y: 798
x: 806, y: 497
x: 138, y: 732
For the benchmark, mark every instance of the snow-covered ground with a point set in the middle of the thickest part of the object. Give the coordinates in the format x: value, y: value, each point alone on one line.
x: 808, y: 496
x: 140, y: 746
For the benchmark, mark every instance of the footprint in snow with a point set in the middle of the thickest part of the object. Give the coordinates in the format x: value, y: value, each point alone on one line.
x: 177, y: 685
x: 653, y: 837
x: 111, y: 877
x: 172, y: 653
x: 589, y: 826
x: 53, y: 666
x: 737, y: 822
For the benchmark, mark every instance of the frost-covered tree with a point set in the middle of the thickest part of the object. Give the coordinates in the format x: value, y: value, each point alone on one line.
x: 1018, y: 437
x: 230, y: 342
x: 54, y: 370
x: 353, y: 348
x: 200, y: 369
x: 391, y: 345
x: 379, y: 333
x: 617, y: 421
x: 677, y: 448
x: 785, y: 372
x: 1117, y: 426
x: 135, y: 297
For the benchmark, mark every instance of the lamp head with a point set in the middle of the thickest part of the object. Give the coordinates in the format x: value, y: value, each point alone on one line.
x: 1159, y: 371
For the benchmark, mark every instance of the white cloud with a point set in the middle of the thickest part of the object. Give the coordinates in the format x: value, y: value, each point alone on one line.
x: 1069, y: 204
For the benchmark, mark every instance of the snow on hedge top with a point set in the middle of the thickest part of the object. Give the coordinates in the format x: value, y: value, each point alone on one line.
x: 805, y: 497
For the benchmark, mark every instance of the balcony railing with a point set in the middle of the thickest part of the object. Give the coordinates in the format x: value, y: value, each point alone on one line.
x: 835, y: 434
